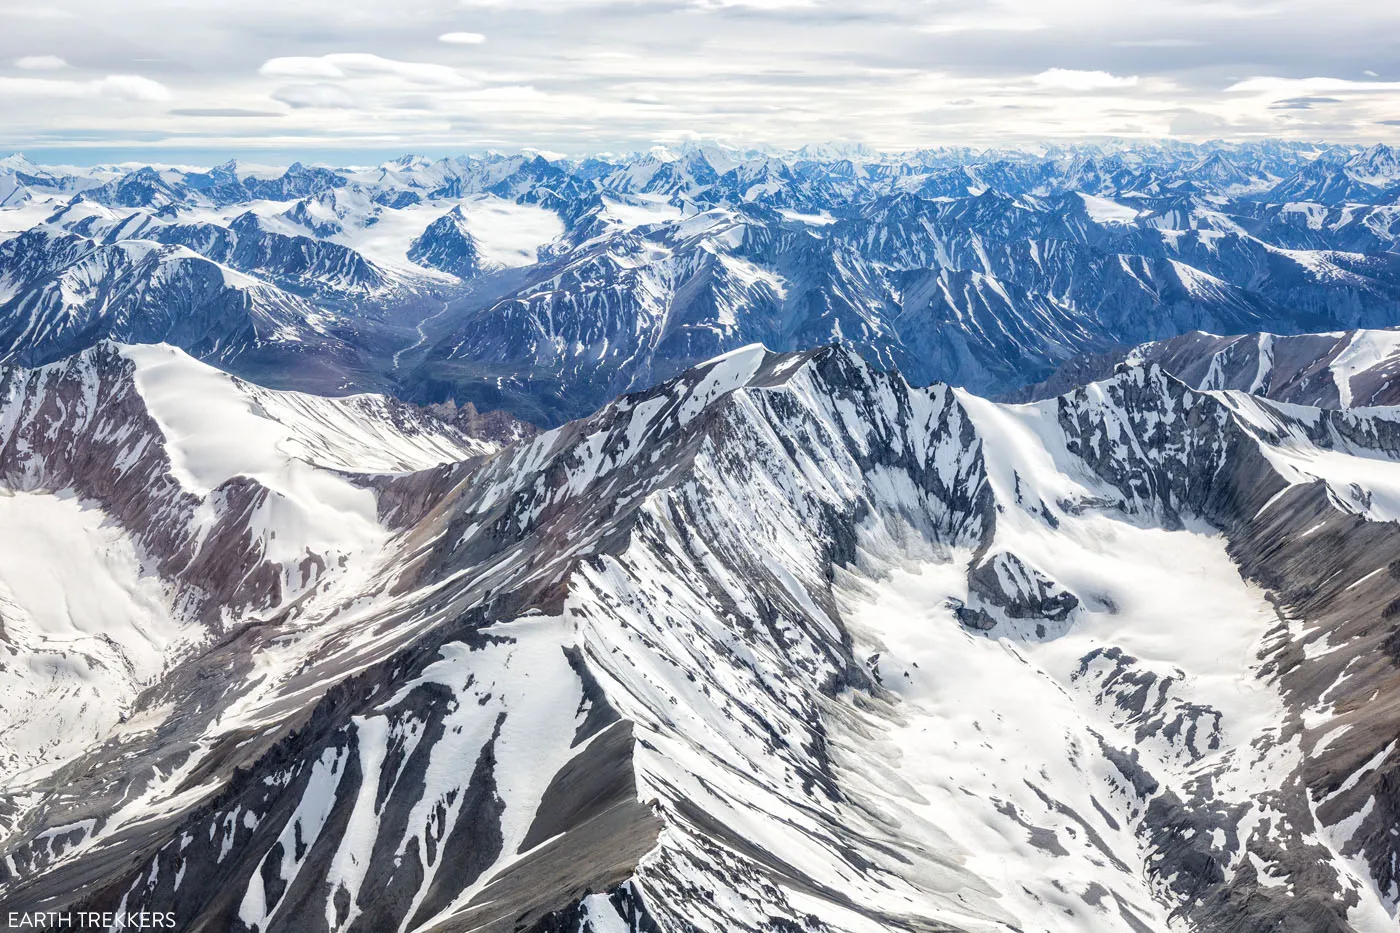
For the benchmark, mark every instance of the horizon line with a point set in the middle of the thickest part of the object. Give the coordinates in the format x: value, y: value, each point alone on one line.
x: 196, y: 156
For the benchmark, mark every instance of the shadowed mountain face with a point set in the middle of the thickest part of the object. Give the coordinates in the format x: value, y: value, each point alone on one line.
x: 781, y: 643
x: 548, y: 287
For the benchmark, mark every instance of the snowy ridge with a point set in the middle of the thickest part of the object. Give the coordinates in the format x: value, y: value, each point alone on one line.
x: 352, y: 434
x: 188, y: 501
x: 60, y: 288
x: 1354, y: 368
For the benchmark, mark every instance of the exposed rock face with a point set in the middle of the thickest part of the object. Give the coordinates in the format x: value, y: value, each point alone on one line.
x: 303, y: 263
x: 448, y: 245
x: 695, y: 663
x: 1020, y: 591
x: 1355, y: 368
x: 63, y: 293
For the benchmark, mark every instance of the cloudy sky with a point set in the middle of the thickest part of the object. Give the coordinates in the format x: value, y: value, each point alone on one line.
x: 147, y: 78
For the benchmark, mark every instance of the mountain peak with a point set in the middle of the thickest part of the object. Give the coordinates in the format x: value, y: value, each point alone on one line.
x: 17, y: 162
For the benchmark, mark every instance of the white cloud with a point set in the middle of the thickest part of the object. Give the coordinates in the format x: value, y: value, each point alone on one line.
x: 535, y: 4
x: 300, y: 66
x: 1069, y: 79
x: 1318, y: 85
x: 45, y: 87
x: 132, y: 87
x: 595, y: 75
x: 40, y: 63
x: 314, y: 96
x: 753, y: 4
x: 339, y: 65
x: 32, y: 12
x: 116, y: 87
x: 1000, y: 24
x: 1158, y: 43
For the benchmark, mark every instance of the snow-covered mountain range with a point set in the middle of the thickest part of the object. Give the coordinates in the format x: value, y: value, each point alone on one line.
x: 783, y: 643
x: 933, y: 541
x: 548, y: 286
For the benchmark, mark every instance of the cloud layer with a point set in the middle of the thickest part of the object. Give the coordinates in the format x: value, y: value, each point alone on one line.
x: 594, y: 75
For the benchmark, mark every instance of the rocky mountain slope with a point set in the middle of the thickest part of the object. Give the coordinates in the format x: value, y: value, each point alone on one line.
x: 153, y: 503
x: 1349, y: 369
x: 780, y: 644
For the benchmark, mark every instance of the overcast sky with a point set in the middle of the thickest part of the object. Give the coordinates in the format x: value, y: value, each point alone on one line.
x: 146, y: 78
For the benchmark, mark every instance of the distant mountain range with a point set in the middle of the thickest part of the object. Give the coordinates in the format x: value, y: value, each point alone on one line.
x: 549, y: 286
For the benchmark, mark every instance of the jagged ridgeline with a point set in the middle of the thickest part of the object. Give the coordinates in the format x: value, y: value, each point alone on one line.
x: 780, y: 644
x: 548, y: 287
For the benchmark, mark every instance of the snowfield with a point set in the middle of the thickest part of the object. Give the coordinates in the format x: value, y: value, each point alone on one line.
x: 87, y: 622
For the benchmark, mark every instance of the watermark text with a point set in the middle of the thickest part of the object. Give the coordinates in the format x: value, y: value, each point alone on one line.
x: 90, y: 920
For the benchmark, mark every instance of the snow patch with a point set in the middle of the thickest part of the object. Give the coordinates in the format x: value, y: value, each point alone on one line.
x: 510, y: 234
x: 1365, y: 350
x: 1104, y: 211
x: 91, y: 623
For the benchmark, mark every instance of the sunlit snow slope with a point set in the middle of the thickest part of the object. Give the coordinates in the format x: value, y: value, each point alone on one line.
x: 150, y: 503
